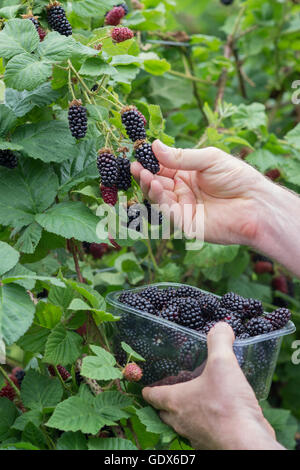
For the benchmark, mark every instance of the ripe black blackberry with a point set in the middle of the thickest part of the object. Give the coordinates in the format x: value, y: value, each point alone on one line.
x: 209, y: 304
x: 236, y: 324
x: 189, y: 291
x: 145, y: 156
x: 190, y: 314
x: 243, y: 336
x: 108, y: 168
x: 252, y: 308
x: 57, y: 19
x: 167, y: 295
x: 207, y: 327
x: 124, y: 177
x: 278, y: 318
x: 258, y: 326
x: 125, y: 8
x: 135, y: 301
x: 154, y: 295
x: 220, y: 314
x: 134, y: 123
x: 19, y: 374
x: 189, y: 354
x: 164, y: 368
x: 134, y: 218
x: 154, y: 217
x: 143, y: 348
x: 33, y: 19
x: 8, y: 159
x: 77, y: 119
x: 170, y: 313
x: 233, y: 302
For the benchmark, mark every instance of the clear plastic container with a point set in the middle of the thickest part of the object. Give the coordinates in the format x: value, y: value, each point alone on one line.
x: 176, y: 354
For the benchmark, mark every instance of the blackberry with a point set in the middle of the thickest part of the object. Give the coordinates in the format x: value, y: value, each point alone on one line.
x: 263, y: 267
x: 227, y: 2
x: 134, y: 123
x: 121, y: 34
x: 207, y: 327
x: 278, y: 318
x: 189, y: 354
x: 97, y: 250
x: 164, y: 368
x: 114, y: 16
x: 188, y: 291
x: 19, y: 374
x: 236, y: 324
x: 125, y: 8
x: 253, y: 308
x: 124, y: 177
x: 190, y: 314
x: 78, y: 378
x: 132, y: 372
x: 239, y: 354
x: 94, y: 87
x: 220, y: 314
x: 209, y: 304
x: 62, y: 372
x: 42, y: 33
x: 273, y: 174
x: 145, y: 156
x: 134, y: 218
x: 154, y: 217
x: 57, y: 19
x: 33, y: 19
x: 108, y: 168
x: 8, y: 392
x: 233, y: 302
x: 77, y: 119
x: 141, y: 346
x: 167, y: 295
x: 154, y: 295
x: 8, y: 159
x: 243, y: 336
x: 158, y: 340
x: 171, y: 313
x: 258, y: 326
x: 109, y: 195
x: 134, y: 300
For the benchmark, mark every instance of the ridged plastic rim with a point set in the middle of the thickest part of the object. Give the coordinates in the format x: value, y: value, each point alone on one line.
x: 112, y: 299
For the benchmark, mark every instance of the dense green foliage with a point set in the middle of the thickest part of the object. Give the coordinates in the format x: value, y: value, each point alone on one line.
x: 202, y: 74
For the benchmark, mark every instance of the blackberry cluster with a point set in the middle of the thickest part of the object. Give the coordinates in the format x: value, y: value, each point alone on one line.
x: 134, y: 123
x: 77, y: 119
x: 145, y: 156
x: 8, y: 159
x: 57, y: 19
x: 189, y: 307
x: 108, y: 168
x: 124, y: 176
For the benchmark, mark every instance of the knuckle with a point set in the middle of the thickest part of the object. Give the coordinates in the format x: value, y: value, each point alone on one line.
x: 178, y: 153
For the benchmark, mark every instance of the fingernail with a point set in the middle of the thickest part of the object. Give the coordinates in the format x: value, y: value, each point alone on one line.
x: 162, y: 147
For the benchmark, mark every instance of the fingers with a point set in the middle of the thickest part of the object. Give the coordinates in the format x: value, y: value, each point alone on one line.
x: 187, y: 159
x: 219, y: 342
x: 158, y: 397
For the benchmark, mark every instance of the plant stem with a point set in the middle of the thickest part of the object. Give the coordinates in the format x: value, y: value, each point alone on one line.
x: 11, y: 383
x: 148, y: 243
x: 189, y: 77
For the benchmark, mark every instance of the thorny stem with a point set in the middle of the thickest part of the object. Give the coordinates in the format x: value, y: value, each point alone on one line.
x: 129, y: 425
x: 70, y: 85
x: 72, y: 248
x: 10, y: 382
x: 148, y: 243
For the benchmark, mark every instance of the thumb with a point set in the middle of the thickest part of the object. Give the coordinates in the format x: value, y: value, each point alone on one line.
x: 187, y: 159
x: 219, y: 342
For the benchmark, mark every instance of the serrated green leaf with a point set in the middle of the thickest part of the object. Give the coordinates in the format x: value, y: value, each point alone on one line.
x: 31, y: 416
x: 30, y: 238
x: 132, y: 354
x: 34, y: 435
x: 63, y: 347
x: 9, y: 12
x: 90, y: 294
x: 153, y: 423
x: 26, y: 72
x: 8, y: 415
x: 56, y: 47
x: 72, y: 441
x: 111, y: 443
x: 8, y: 119
x: 16, y: 312
x: 21, y: 102
x: 293, y: 136
x: 39, y: 391
x: 34, y: 340
x: 47, y: 315
x: 17, y: 37
x: 250, y: 116
x: 9, y: 257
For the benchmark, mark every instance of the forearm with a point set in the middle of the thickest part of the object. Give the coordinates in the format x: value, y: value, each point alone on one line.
x: 278, y: 231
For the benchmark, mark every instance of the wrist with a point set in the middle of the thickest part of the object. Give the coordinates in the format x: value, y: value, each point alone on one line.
x: 251, y: 436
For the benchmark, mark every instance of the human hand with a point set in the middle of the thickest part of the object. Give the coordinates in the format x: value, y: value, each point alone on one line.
x: 227, y: 188
x: 217, y: 410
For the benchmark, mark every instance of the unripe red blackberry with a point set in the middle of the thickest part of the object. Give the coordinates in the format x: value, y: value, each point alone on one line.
x: 57, y: 19
x: 114, y: 16
x: 42, y: 33
x: 280, y: 283
x: 273, y: 174
x: 62, y: 372
x: 134, y: 123
x: 8, y: 159
x: 97, y: 250
x: 132, y: 372
x: 279, y: 318
x: 8, y: 392
x: 77, y: 119
x: 109, y: 195
x: 121, y: 34
x: 263, y: 267
x: 124, y: 177
x: 108, y: 167
x: 125, y: 7
x: 145, y: 156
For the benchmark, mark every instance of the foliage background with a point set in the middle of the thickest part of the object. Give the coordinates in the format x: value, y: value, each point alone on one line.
x: 53, y: 195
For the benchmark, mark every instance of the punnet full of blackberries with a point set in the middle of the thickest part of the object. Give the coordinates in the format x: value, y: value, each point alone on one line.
x: 8, y: 159
x: 108, y: 167
x: 77, y: 119
x: 145, y: 156
x: 57, y: 19
x: 189, y: 307
x: 134, y: 123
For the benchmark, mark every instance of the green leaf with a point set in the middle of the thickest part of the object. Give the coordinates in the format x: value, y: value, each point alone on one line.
x: 212, y: 255
x: 8, y: 120
x: 17, y: 37
x: 293, y: 136
x: 78, y: 304
x: 8, y: 414
x: 264, y: 160
x: 250, y: 116
x: 22, y: 192
x: 31, y: 416
x: 16, y: 312
x: 56, y: 47
x: 63, y: 347
x: 30, y: 238
x: 47, y: 315
x: 95, y: 299
x: 61, y: 296
x: 9, y: 257
x: 153, y: 423
x: 131, y: 352
x: 92, y: 8
x: 96, y: 67
x: 21, y: 102
x: 39, y: 391
x: 72, y: 441
x: 70, y: 220
x: 9, y: 11
x: 284, y: 425
x: 111, y: 443
x: 34, y: 340
x: 34, y: 435
x: 100, y: 367
x: 26, y: 72
x: 248, y: 289
x: 35, y: 140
